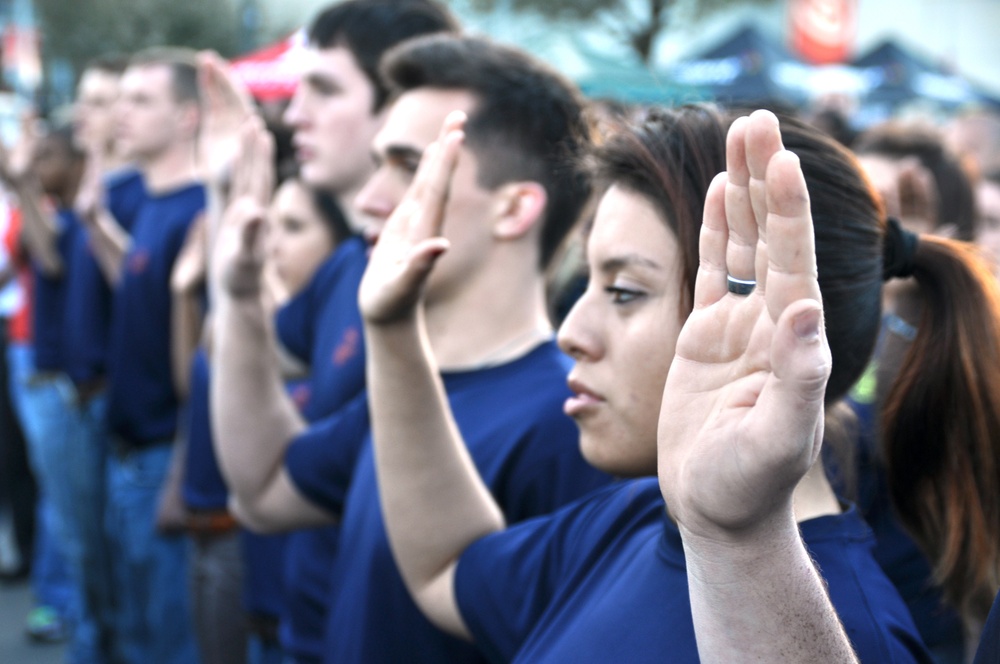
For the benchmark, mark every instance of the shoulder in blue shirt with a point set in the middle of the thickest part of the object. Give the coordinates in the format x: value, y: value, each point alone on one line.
x: 321, y: 326
x: 604, y: 580
x: 526, y: 451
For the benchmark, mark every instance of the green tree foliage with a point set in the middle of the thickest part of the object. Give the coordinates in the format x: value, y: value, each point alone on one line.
x: 639, y: 22
x: 78, y: 30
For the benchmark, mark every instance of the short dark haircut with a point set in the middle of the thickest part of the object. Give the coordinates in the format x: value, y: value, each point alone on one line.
x: 110, y: 63
x: 369, y: 28
x: 183, y: 65
x: 528, y: 122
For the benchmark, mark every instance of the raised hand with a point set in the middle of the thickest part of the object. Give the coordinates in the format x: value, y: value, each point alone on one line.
x: 411, y: 240
x: 226, y: 107
x: 15, y: 163
x: 742, y: 414
x: 238, y: 255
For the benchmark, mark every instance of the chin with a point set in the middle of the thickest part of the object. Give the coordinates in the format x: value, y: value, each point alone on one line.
x: 616, y: 460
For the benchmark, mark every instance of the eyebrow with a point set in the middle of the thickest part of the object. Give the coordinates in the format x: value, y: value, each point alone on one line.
x: 618, y: 263
x: 320, y: 80
x: 400, y: 153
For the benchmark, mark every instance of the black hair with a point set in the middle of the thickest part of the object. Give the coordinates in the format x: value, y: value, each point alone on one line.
x: 528, y: 122
x: 369, y: 28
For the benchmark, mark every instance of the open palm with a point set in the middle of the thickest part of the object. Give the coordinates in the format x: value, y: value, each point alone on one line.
x: 742, y: 414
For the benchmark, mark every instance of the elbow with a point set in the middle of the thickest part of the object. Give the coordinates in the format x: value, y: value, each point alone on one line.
x: 252, y: 517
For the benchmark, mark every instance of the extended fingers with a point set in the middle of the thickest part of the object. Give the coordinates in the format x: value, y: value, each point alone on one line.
x: 432, y: 183
x: 262, y: 172
x: 791, y: 251
x: 742, y: 226
x: 710, y: 285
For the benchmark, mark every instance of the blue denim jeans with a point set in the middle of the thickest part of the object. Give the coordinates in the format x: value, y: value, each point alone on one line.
x: 155, y: 625
x: 57, y: 463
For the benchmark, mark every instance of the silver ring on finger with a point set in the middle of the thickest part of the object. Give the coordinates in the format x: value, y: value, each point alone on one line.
x: 740, y: 286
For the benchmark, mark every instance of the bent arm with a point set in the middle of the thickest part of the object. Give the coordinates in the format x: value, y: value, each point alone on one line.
x: 433, y: 499
x: 110, y: 242
x: 38, y: 230
x: 253, y: 420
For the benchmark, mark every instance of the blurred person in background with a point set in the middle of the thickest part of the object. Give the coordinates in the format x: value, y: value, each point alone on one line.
x: 338, y: 107
x: 156, y: 130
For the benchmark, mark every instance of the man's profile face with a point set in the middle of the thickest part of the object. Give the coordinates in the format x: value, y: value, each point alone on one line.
x: 150, y: 118
x: 334, y: 122
x: 413, y: 122
x: 94, y: 118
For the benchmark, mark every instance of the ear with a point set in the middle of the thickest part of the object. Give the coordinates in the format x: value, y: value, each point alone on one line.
x: 521, y: 206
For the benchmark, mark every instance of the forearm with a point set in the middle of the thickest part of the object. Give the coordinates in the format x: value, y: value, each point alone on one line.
x: 761, y: 599
x: 109, y: 242
x: 38, y: 230
x: 186, y: 327
x: 433, y: 499
x: 253, y: 419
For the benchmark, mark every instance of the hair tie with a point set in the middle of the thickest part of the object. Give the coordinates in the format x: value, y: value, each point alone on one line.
x: 898, y: 250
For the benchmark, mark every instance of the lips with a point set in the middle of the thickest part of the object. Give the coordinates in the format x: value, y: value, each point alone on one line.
x: 583, y: 400
x: 303, y: 152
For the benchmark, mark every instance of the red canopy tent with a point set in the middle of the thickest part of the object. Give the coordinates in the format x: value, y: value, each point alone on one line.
x: 272, y: 72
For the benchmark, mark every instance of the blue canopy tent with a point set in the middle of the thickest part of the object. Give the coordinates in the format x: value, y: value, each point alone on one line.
x: 896, y: 76
x: 745, y: 68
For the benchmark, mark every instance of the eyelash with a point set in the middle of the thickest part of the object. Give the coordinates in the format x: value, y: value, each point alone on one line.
x: 622, y: 295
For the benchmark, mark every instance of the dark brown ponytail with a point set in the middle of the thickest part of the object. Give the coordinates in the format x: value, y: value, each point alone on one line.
x: 941, y: 424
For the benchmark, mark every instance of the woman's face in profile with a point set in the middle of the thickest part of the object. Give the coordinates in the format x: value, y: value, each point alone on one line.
x: 298, y: 239
x: 622, y: 333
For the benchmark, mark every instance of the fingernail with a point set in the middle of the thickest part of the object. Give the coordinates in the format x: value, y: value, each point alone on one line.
x: 806, y: 324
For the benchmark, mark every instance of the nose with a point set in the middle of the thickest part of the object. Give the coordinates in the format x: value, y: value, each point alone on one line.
x: 579, y: 336
x: 294, y: 116
x: 376, y: 199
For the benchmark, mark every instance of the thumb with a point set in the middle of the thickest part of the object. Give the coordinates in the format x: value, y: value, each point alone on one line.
x: 424, y: 255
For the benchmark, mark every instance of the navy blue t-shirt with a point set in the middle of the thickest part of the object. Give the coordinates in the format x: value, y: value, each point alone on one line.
x: 604, y: 580
x: 989, y: 646
x: 124, y: 195
x: 48, y: 308
x: 88, y: 313
x: 321, y: 325
x: 526, y: 451
x: 263, y: 579
x: 142, y: 404
x: 88, y: 295
x: 203, y: 487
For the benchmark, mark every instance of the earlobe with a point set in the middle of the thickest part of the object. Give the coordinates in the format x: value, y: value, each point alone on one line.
x: 522, y: 206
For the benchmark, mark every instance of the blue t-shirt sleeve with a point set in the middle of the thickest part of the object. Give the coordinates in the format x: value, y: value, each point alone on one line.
x: 293, y: 326
x: 506, y: 581
x: 321, y: 460
x: 989, y: 646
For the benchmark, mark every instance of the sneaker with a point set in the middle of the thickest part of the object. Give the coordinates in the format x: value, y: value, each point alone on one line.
x: 44, y: 625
